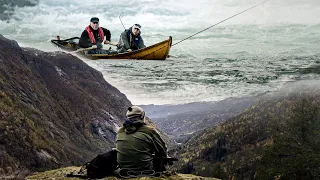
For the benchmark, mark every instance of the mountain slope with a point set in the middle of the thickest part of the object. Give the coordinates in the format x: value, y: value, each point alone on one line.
x: 55, y: 110
x: 235, y: 148
x: 59, y: 174
x: 182, y: 121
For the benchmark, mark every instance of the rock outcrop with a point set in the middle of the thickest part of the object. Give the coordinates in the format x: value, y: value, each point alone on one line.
x: 59, y: 174
x: 55, y: 110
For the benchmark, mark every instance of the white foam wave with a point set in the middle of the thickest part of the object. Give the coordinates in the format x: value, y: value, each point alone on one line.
x: 167, y: 17
x: 256, y: 33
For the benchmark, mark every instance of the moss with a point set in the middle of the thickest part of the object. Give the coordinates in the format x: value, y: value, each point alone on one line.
x: 30, y: 123
x: 6, y: 100
x: 59, y: 174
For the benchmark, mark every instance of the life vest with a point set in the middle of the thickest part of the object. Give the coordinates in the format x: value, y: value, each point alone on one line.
x: 91, y: 35
x: 134, y: 44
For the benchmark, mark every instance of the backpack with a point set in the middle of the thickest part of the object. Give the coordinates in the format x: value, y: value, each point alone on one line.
x: 101, y: 166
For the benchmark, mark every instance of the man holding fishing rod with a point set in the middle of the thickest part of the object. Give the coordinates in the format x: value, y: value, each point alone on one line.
x: 93, y: 37
x: 130, y: 39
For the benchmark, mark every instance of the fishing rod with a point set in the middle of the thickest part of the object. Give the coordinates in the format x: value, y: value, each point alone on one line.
x: 221, y: 22
x: 121, y: 22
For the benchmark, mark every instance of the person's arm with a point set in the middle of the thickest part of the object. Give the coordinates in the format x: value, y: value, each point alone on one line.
x: 84, y: 40
x: 141, y: 44
x: 159, y: 144
x: 107, y: 33
x: 123, y: 44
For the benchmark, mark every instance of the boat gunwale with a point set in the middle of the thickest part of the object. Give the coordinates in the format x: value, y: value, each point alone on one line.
x: 120, y: 55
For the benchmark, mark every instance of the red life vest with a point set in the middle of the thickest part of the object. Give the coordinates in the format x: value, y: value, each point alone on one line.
x: 91, y: 36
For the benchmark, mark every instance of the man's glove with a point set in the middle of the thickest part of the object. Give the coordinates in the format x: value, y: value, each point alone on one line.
x: 99, y: 45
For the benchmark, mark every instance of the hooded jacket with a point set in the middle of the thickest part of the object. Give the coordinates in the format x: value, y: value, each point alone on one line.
x: 128, y: 41
x: 136, y: 145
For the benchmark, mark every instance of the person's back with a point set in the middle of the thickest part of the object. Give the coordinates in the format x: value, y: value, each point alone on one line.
x: 138, y: 143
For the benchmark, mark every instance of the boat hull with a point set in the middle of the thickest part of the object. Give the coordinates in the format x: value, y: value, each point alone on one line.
x: 158, y: 51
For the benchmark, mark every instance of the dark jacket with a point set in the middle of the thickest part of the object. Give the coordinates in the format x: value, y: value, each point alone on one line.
x: 136, y: 145
x: 128, y: 41
x: 84, y: 40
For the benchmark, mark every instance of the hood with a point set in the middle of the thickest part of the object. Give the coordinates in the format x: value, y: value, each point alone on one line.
x: 131, y: 125
x: 130, y: 29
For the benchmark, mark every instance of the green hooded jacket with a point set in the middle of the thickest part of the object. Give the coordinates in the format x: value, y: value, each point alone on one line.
x: 126, y: 42
x: 136, y: 145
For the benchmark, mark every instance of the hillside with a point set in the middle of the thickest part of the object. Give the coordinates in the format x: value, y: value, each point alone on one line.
x: 283, y: 125
x: 59, y: 174
x: 55, y: 110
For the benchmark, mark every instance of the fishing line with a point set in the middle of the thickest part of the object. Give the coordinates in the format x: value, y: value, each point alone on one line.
x: 121, y: 22
x: 221, y: 22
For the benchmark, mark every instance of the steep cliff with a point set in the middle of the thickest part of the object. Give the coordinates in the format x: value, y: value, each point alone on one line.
x: 55, y: 110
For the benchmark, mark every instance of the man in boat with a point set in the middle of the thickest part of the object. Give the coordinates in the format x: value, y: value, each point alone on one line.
x: 130, y: 39
x: 93, y: 36
x: 139, y: 146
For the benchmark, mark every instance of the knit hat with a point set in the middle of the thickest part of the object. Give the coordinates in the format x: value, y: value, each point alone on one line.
x: 135, y: 112
x: 94, y: 19
x: 138, y: 26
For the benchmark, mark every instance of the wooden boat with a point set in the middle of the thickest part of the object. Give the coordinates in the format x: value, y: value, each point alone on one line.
x: 158, y: 51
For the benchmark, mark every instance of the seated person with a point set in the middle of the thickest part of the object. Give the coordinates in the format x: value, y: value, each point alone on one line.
x: 93, y: 36
x: 139, y: 145
x: 130, y: 39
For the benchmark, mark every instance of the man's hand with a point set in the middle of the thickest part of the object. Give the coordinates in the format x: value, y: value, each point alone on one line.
x: 99, y: 45
x: 129, y: 50
x: 94, y: 46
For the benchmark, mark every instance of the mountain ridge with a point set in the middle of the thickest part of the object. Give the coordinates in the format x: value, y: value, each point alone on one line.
x: 55, y: 110
x: 235, y: 149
